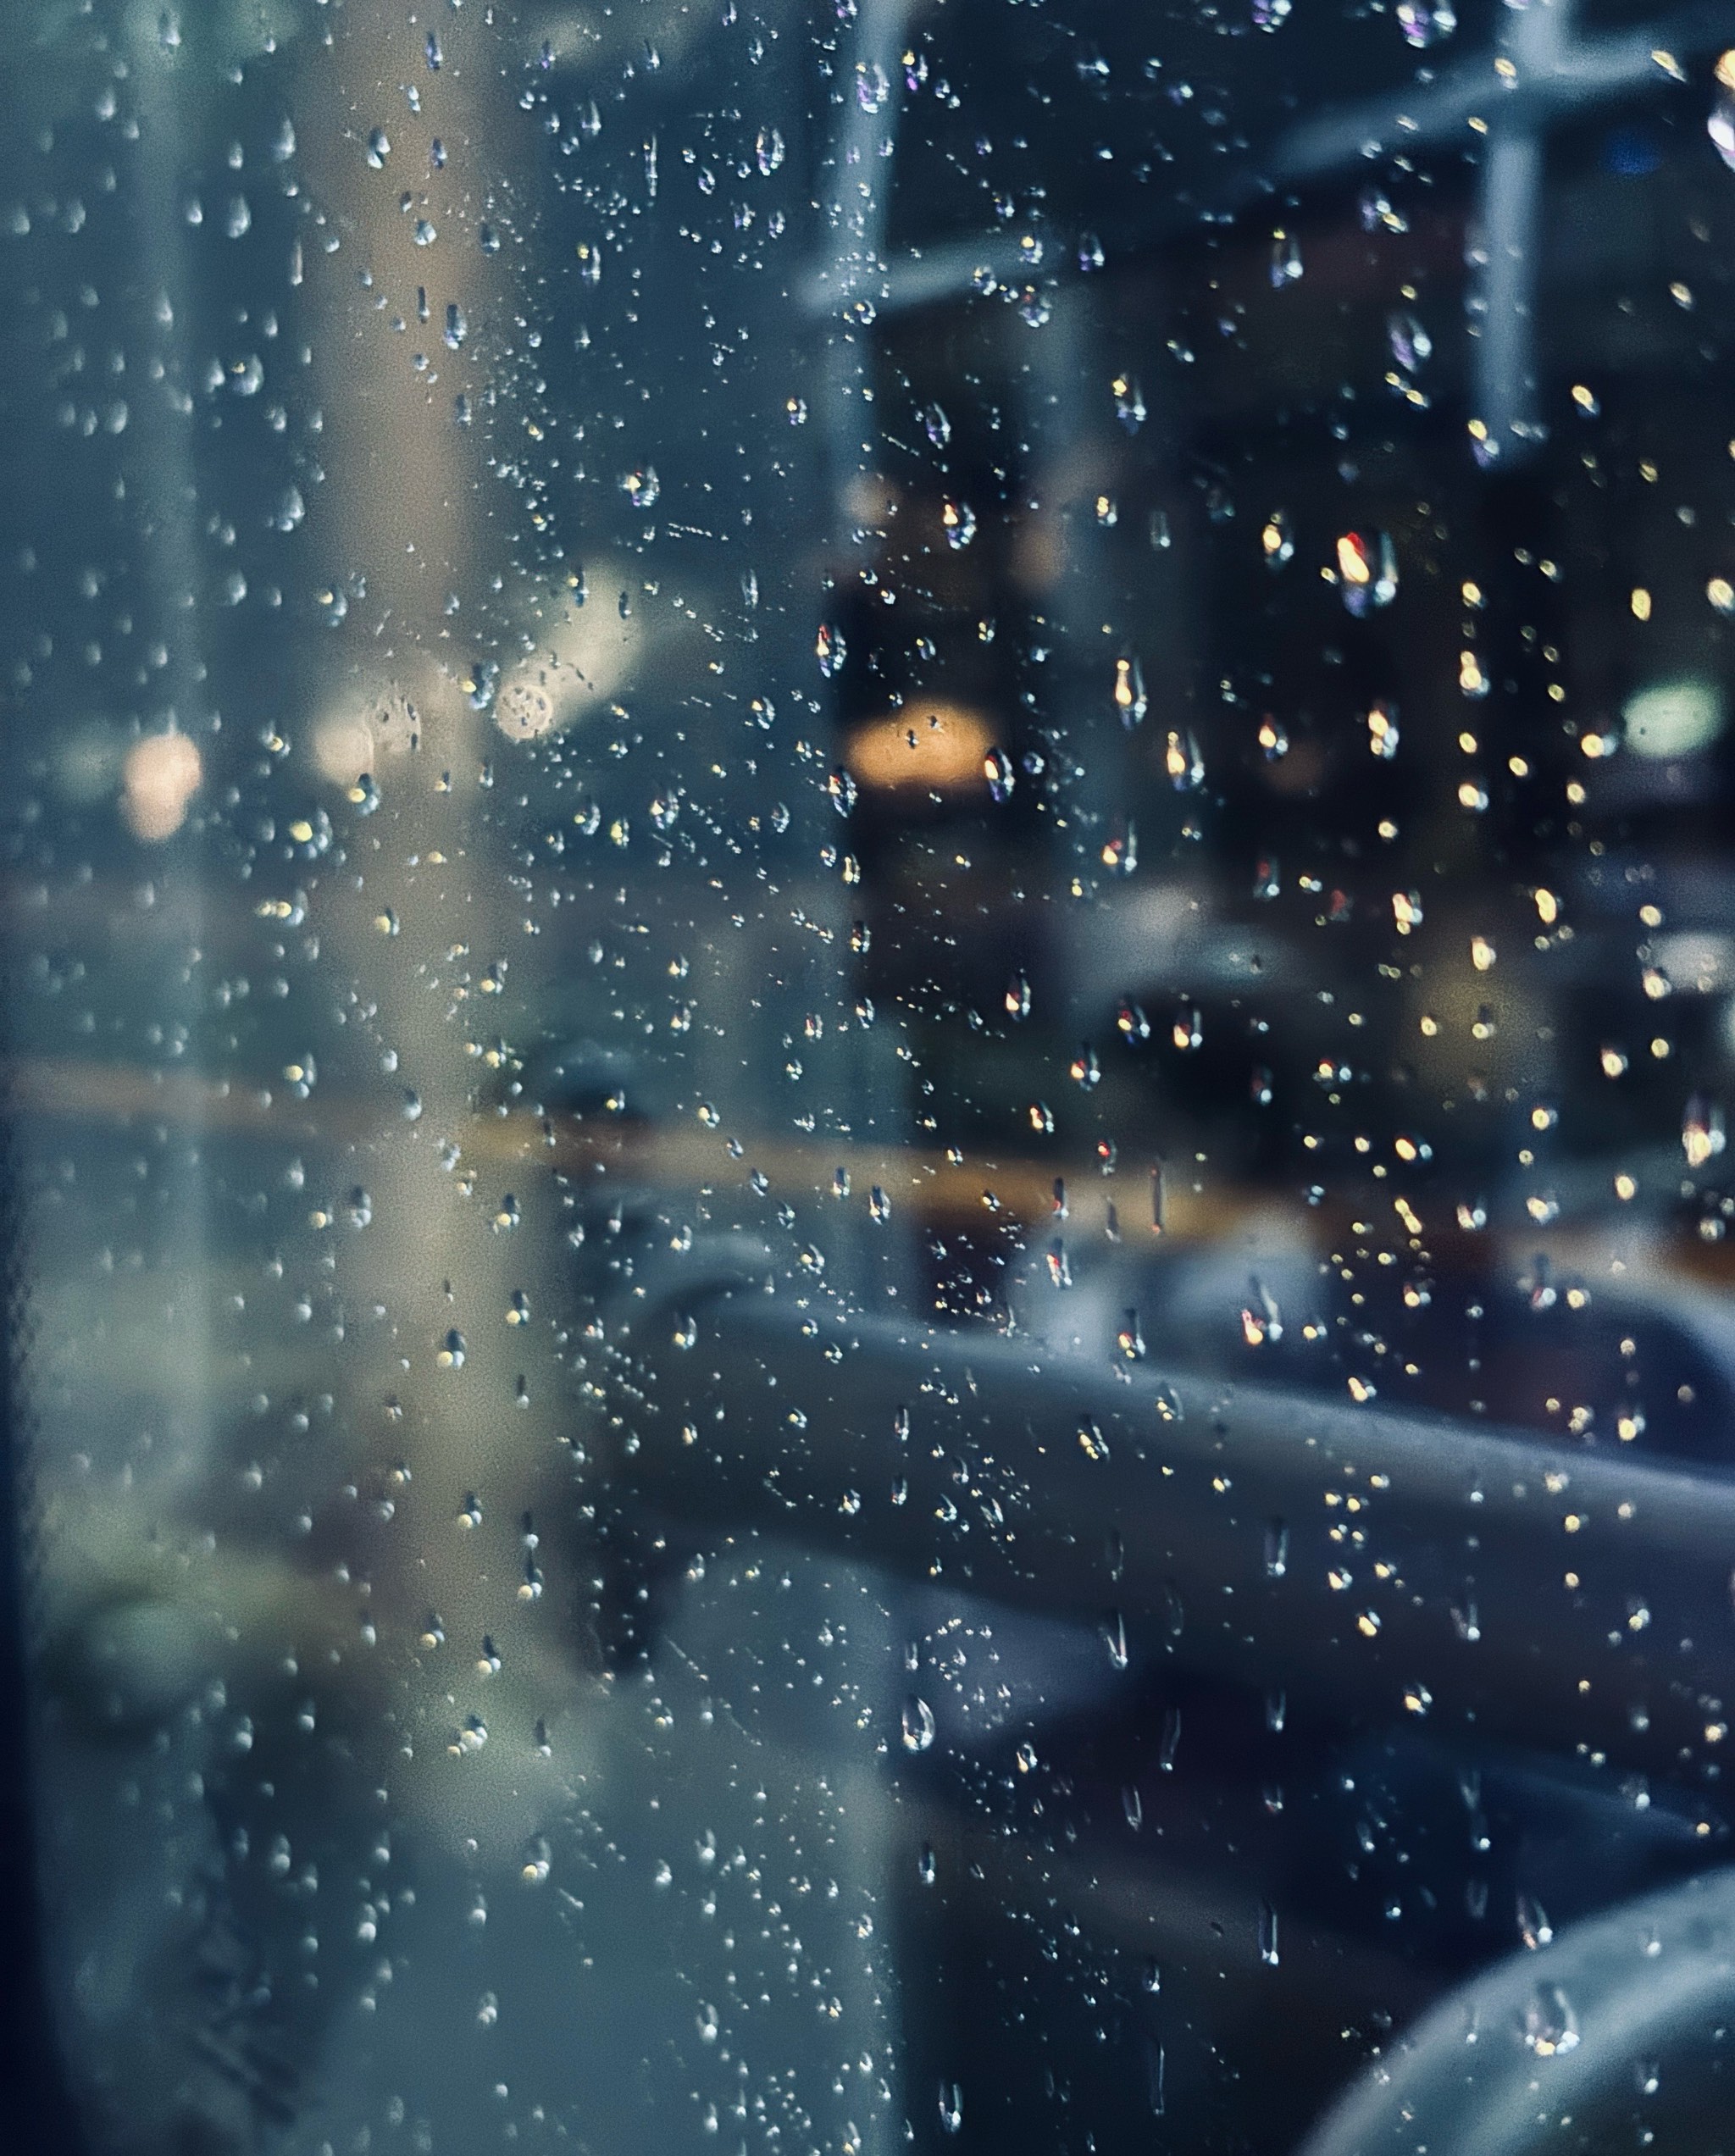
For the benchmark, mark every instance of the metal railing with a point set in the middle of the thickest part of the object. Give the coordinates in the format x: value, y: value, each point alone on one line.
x: 1392, y: 1566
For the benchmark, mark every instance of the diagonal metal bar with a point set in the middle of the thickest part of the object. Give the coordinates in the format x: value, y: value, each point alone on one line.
x: 1530, y: 83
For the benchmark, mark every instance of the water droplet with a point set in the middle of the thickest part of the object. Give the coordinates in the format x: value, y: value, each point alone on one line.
x: 379, y: 147
x: 1366, y: 570
x: 997, y: 770
x: 1114, y: 1635
x: 1534, y: 1927
x: 951, y: 2106
x: 1410, y: 344
x: 1268, y: 1934
x: 1702, y: 1135
x: 1130, y: 699
x: 918, y: 1724
x: 1277, y: 1550
x: 1721, y: 124
x: 1426, y: 22
x: 1155, y: 2072
x: 1549, y: 2024
x: 1183, y: 763
x: 1383, y: 730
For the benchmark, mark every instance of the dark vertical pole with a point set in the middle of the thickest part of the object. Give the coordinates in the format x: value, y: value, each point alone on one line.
x: 35, y: 2099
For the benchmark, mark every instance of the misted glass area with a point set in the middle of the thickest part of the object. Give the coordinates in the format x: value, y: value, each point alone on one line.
x: 869, y: 983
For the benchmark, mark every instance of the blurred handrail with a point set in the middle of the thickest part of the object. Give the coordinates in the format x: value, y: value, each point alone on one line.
x: 1499, y: 2064
x: 1389, y: 1566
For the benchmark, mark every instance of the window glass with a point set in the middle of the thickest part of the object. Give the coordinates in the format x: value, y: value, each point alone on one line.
x: 868, y: 1008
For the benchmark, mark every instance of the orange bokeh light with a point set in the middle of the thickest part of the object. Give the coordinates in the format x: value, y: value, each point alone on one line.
x: 931, y: 748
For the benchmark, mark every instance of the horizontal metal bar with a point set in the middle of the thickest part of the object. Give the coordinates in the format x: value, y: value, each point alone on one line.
x: 1391, y: 1566
x: 939, y: 1186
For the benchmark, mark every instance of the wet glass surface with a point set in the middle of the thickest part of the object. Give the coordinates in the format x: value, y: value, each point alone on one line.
x: 869, y: 1002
